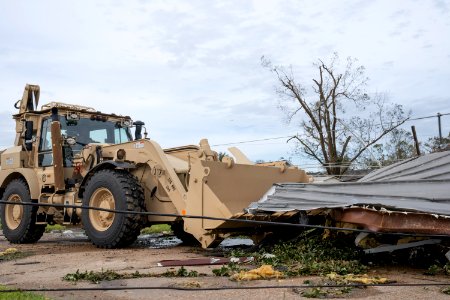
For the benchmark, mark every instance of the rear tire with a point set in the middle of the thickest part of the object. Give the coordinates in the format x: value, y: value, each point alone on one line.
x: 19, y: 221
x: 115, y: 190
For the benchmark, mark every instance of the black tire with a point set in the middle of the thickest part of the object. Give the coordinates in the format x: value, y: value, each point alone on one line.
x: 127, y: 194
x: 186, y: 238
x: 25, y: 231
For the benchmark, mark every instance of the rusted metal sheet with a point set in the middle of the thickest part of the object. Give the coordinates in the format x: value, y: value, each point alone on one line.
x: 393, y: 221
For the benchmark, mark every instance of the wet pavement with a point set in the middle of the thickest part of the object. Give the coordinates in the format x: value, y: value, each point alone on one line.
x: 157, y: 241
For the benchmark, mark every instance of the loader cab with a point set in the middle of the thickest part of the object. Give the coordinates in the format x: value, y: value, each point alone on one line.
x: 77, y: 132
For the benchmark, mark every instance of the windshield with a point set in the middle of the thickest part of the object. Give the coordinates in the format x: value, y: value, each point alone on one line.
x: 86, y: 131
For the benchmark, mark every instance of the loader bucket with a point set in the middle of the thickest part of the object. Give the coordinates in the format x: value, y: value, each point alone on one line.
x: 223, y: 190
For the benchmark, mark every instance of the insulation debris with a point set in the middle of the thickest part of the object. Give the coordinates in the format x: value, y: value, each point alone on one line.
x: 363, y: 279
x: 9, y: 251
x: 263, y: 272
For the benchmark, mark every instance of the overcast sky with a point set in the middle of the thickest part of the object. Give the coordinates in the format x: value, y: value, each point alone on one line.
x: 191, y: 69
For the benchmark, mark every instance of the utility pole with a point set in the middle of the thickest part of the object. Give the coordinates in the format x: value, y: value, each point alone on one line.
x: 440, y: 129
x: 416, y: 142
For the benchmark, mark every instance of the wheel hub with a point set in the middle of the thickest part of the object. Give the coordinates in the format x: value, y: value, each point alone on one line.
x: 102, y: 198
x: 13, y: 212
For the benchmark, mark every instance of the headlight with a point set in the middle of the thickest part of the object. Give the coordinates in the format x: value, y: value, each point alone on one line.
x: 72, y: 116
x: 121, y: 154
x: 127, y: 123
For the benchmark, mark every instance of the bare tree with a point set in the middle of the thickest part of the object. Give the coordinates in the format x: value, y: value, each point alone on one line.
x: 340, y: 120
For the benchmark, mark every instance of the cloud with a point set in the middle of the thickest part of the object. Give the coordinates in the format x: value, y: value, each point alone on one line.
x: 8, y: 128
x: 191, y: 69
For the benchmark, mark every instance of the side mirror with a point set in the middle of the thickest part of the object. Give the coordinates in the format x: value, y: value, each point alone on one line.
x: 138, y: 131
x: 28, y: 135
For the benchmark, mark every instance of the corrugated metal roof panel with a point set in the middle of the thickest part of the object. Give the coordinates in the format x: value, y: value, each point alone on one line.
x: 430, y: 166
x: 420, y: 184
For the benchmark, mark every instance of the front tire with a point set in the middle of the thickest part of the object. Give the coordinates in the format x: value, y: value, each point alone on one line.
x: 115, y: 190
x: 19, y: 221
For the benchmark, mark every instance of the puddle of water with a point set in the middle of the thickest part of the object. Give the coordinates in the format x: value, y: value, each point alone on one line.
x: 74, y: 234
x: 236, y: 243
x: 157, y: 241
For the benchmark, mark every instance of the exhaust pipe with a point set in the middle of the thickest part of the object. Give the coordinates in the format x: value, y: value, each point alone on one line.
x: 58, y: 166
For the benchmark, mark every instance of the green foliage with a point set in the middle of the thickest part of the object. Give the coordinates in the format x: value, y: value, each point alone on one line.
x: 324, y: 292
x: 94, y: 277
x: 108, y: 275
x: 158, y: 228
x: 314, y: 293
x: 434, y: 144
x: 227, y: 270
x: 19, y: 295
x: 313, y: 255
x: 446, y: 291
x: 181, y: 272
x: 438, y: 270
x: 55, y: 227
x: 399, y: 146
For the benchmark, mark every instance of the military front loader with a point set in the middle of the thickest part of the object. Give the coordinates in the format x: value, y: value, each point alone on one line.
x: 72, y: 156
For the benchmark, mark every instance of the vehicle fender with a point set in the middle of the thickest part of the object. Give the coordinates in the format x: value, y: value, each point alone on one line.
x: 108, y: 164
x: 6, y: 176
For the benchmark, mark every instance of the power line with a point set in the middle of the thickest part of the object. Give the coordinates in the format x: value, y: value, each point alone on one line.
x: 223, y: 288
x: 246, y: 221
x: 304, y: 135
x: 251, y: 141
x: 428, y: 117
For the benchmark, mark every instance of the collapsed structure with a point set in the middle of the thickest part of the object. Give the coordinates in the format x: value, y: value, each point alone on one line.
x: 411, y: 196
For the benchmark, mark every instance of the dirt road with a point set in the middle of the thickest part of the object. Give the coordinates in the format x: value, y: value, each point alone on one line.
x: 56, y: 255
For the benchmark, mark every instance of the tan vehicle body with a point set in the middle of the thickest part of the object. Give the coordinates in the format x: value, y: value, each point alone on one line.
x: 187, y: 180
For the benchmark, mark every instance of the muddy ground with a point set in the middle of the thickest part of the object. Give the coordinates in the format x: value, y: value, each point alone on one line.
x: 58, y: 254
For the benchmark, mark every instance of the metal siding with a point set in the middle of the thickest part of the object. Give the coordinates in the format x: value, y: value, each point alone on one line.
x: 420, y: 184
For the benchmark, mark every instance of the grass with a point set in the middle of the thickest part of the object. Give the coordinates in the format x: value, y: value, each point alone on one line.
x: 55, y: 227
x: 48, y: 228
x: 158, y: 228
x: 19, y: 295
